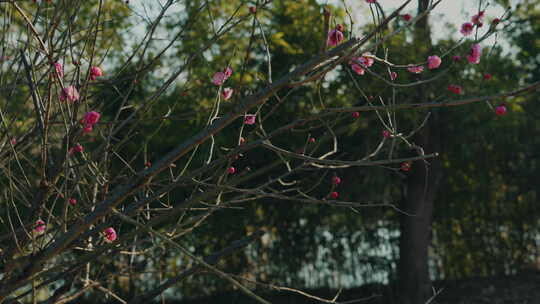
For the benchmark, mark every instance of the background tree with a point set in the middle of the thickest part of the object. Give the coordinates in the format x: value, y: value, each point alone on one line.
x: 128, y: 202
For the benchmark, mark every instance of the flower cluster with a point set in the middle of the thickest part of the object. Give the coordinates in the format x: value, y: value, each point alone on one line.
x: 358, y: 64
x: 90, y: 119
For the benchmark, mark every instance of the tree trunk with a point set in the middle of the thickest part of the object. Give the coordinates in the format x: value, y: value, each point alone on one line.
x: 422, y: 184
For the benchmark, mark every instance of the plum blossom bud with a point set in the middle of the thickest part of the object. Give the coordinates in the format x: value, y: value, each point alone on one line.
x: 228, y: 72
x: 336, y: 180
x: 77, y: 148
x: 406, y: 17
x: 231, y: 170
x: 434, y: 62
x: 59, y: 68
x: 334, y: 195
x: 110, y: 235
x: 386, y: 134
x: 393, y: 75
x: 73, y: 201
x: 39, y: 227
x: 355, y: 114
x: 500, y: 110
x: 405, y: 166
x: 456, y: 89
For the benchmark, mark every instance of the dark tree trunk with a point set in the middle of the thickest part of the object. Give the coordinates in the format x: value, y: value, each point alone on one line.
x: 421, y: 187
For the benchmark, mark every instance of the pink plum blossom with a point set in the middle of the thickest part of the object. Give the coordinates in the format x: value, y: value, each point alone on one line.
x: 91, y: 118
x: 393, y: 75
x: 366, y: 60
x: 386, y: 134
x: 434, y: 62
x: 500, y: 110
x: 358, y: 69
x: 416, y: 69
x: 73, y: 201
x: 95, y: 72
x: 219, y: 78
x: 371, y: 1
x: 475, y: 54
x: 227, y: 93
x: 231, y: 170
x: 87, y: 129
x: 70, y: 93
x: 466, y: 28
x: 334, y: 37
x: 355, y: 114
x: 478, y: 18
x: 336, y: 180
x: 249, y: 119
